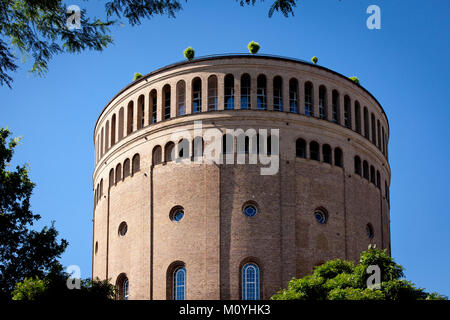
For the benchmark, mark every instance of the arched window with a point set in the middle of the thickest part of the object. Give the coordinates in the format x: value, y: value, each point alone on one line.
x: 338, y: 159
x: 358, y: 117
x: 169, y: 152
x: 229, y: 92
x: 141, y: 112
x: 358, y: 165
x: 111, y: 178
x: 384, y: 141
x: 181, y: 98
x: 261, y: 92
x: 183, y: 149
x: 378, y: 135
x: 154, y: 105
x: 179, y: 283
x: 293, y: 95
x: 300, y: 148
x: 378, y: 180
x: 118, y: 173
x: 314, y: 150
x: 347, y: 112
x: 374, y: 129
x: 130, y: 128
x: 245, y: 91
x: 323, y: 106
x: 309, y: 104
x: 369, y: 231
x: 156, y: 155
x: 372, y: 174
x: 212, y: 93
x: 336, y: 113
x: 197, y: 148
x: 196, y: 95
x: 113, y: 130
x: 166, y: 98
x: 122, y: 285
x: 365, y: 170
x: 366, y: 123
x: 277, y: 94
x: 107, y: 136
x: 121, y: 111
x: 126, y: 168
x: 326, y: 153
x: 136, y: 163
x: 250, y: 282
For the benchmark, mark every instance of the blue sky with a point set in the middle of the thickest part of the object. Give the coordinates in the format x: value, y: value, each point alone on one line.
x: 405, y: 65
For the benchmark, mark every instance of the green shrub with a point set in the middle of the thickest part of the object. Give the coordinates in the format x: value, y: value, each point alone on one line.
x: 253, y: 47
x: 137, y: 75
x: 314, y: 59
x: 189, y: 53
x: 354, y: 79
x: 29, y: 289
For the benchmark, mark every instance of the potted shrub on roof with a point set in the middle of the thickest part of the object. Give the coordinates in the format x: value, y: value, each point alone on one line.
x: 137, y: 75
x: 253, y: 47
x: 355, y: 79
x: 314, y: 59
x: 189, y: 53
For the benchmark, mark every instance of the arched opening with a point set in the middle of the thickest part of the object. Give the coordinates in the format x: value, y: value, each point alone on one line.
x: 358, y: 165
x: 196, y: 95
x: 227, y: 144
x: 293, y: 95
x: 176, y: 281
x: 141, y: 112
x: 212, y: 93
x: 300, y: 148
x: 197, y: 148
x: 323, y: 107
x: 347, y: 112
x: 111, y: 178
x: 113, y: 130
x: 181, y: 98
x: 229, y: 92
x: 378, y: 180
x: 314, y: 151
x: 136, y: 163
x: 261, y: 97
x: 126, y: 169
x: 358, y: 117
x: 309, y: 105
x: 118, y: 173
x: 130, y: 110
x: 338, y: 158
x: 107, y: 136
x: 121, y: 112
x: 245, y: 91
x: 122, y: 285
x: 326, y: 153
x: 169, y: 152
x: 156, y: 155
x: 372, y: 175
x: 166, y: 99
x: 365, y: 170
x: 250, y: 281
x: 374, y: 129
x: 277, y: 93
x: 336, y: 113
x: 366, y: 123
x: 153, y: 106
x: 183, y: 149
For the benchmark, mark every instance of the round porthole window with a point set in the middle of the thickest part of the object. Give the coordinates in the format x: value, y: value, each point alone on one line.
x: 123, y: 228
x: 320, y: 216
x: 369, y: 231
x: 177, y: 214
x: 250, y: 210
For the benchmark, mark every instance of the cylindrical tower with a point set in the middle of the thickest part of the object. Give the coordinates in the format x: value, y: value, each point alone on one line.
x: 212, y: 227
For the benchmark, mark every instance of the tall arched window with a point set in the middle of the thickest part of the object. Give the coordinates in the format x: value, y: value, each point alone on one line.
x: 357, y: 165
x: 309, y: 104
x: 122, y: 285
x: 141, y: 112
x: 293, y: 95
x: 166, y: 99
x: 335, y: 107
x: 366, y: 170
x: 197, y: 147
x: 261, y: 92
x: 374, y: 129
x: 250, y: 282
x: 245, y: 91
x: 121, y: 112
x: 111, y: 178
x: 169, y: 151
x: 347, y: 112
x: 196, y: 95
x: 126, y: 168
x: 277, y: 94
x: 153, y: 105
x: 357, y: 117
x: 156, y: 155
x: 300, y: 148
x: 229, y: 92
x: 326, y: 153
x: 378, y: 134
x: 136, y: 163
x: 314, y: 151
x: 366, y: 123
x: 378, y: 180
x: 181, y: 98
x: 323, y: 107
x: 212, y: 93
x: 130, y: 117
x: 107, y: 136
x: 179, y: 283
x: 372, y: 175
x: 113, y: 130
x: 118, y: 173
x: 338, y: 158
x: 384, y: 141
x: 125, y: 289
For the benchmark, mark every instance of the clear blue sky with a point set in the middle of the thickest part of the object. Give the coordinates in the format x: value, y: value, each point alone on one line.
x: 405, y: 65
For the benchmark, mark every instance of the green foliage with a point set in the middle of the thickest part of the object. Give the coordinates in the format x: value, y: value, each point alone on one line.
x: 286, y: 7
x: 354, y: 79
x: 137, y: 75
x: 29, y: 289
x: 314, y: 59
x: 189, y: 53
x: 253, y: 47
x: 24, y: 253
x: 342, y: 280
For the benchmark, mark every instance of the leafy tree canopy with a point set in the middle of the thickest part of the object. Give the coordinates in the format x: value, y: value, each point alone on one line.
x: 37, y: 28
x: 23, y: 252
x: 342, y: 280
